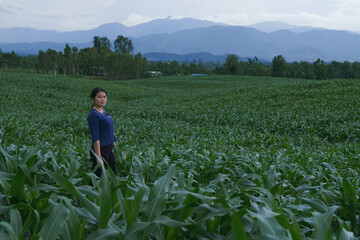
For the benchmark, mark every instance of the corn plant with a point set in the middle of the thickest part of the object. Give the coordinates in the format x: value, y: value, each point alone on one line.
x: 210, y: 157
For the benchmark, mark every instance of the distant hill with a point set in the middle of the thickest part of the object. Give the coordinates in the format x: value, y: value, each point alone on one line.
x: 25, y: 49
x: 249, y: 42
x: 169, y: 25
x: 273, y: 26
x: 110, y: 30
x: 204, y: 57
x: 170, y: 39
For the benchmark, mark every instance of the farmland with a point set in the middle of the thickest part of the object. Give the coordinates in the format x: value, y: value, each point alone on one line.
x: 206, y: 157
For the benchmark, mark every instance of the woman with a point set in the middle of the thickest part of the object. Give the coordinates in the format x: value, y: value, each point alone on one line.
x: 102, y: 132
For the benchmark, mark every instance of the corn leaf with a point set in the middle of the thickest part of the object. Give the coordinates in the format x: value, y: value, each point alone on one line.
x: 10, y: 229
x: 100, y: 234
x: 137, y: 231
x: 105, y: 199
x: 16, y: 222
x: 18, y: 186
x: 54, y: 223
x: 237, y: 227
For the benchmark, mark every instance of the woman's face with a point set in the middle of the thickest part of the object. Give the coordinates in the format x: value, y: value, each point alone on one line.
x: 100, y: 99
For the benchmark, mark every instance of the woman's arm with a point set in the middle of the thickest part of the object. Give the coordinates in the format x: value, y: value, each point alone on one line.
x: 98, y: 153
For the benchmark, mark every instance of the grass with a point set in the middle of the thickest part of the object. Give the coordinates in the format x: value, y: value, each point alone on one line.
x: 211, y: 157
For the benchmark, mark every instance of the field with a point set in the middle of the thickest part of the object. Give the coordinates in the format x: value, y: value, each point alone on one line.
x: 205, y: 157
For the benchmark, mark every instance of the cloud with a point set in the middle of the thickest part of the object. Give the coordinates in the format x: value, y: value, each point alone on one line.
x: 11, y: 7
x: 349, y: 8
x: 134, y: 19
x: 232, y: 19
x: 344, y: 18
x: 107, y: 3
x: 5, y: 10
x: 83, y: 14
x: 196, y: 6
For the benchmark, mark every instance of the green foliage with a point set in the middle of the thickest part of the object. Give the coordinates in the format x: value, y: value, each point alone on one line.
x: 209, y: 157
x: 278, y: 66
x: 319, y: 69
x: 123, y: 45
x: 231, y: 64
x: 101, y: 43
x: 120, y: 64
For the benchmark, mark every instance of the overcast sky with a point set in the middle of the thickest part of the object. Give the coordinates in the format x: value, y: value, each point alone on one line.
x: 67, y: 15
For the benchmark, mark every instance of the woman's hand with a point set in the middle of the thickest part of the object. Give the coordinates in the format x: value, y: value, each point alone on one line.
x: 101, y: 162
x: 114, y: 146
x: 98, y: 153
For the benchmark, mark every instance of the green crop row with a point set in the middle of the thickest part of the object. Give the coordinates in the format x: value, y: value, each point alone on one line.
x: 210, y: 157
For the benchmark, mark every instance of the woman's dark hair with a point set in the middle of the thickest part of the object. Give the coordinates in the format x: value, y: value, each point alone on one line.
x: 96, y: 91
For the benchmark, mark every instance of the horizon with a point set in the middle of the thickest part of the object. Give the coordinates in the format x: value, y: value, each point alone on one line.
x: 75, y: 15
x: 251, y: 25
x: 20, y: 39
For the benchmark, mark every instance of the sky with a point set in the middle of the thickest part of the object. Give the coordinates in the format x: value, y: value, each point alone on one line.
x: 69, y: 15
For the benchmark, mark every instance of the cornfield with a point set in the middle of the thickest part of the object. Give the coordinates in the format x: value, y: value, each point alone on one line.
x: 205, y: 157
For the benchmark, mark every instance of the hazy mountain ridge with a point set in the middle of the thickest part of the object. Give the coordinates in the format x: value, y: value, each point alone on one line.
x: 273, y: 26
x: 24, y: 49
x: 202, y: 56
x: 249, y: 42
x: 190, y: 36
x: 110, y: 30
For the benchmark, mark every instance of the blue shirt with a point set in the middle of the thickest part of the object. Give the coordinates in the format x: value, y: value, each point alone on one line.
x: 101, y: 127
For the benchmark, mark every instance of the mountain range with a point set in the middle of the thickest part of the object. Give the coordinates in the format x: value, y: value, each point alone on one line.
x: 110, y: 30
x: 199, y: 39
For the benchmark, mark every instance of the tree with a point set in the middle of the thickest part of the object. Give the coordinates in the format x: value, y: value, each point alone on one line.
x: 101, y: 43
x: 333, y: 70
x: 88, y: 61
x: 29, y: 62
x: 319, y: 69
x: 75, y: 64
x: 303, y: 69
x: 123, y: 45
x: 231, y: 64
x: 11, y: 60
x: 256, y: 68
x: 54, y: 59
x: 42, y: 61
x: 140, y: 65
x: 278, y: 66
x: 1, y: 58
x: 67, y: 58
x: 172, y: 68
x: 356, y: 69
x: 243, y: 68
x: 125, y: 66
x: 346, y: 70
x: 97, y: 43
x: 105, y: 43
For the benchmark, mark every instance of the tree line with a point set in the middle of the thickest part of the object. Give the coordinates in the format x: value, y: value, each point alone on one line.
x: 280, y: 68
x: 119, y: 62
x: 100, y: 60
